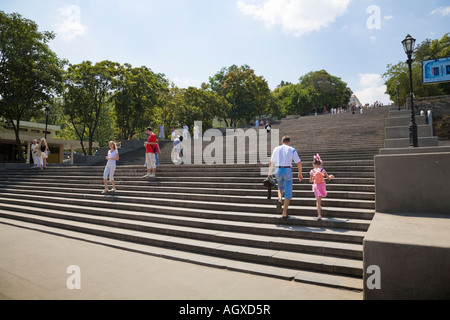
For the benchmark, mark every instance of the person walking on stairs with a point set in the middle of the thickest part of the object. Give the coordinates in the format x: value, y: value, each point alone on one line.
x: 162, y: 134
x: 150, y: 152
x: 112, y: 157
x: 282, y: 159
x: 34, y: 146
x: 317, y: 177
x: 44, y: 153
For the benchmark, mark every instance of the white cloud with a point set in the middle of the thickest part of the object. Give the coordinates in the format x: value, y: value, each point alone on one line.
x: 69, y: 25
x: 373, y: 89
x: 297, y: 17
x: 370, y: 79
x: 443, y: 11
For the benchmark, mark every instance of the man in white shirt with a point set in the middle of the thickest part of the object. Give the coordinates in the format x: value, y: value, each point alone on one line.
x: 196, y: 132
x: 282, y: 159
x: 162, y: 134
x: 185, y: 131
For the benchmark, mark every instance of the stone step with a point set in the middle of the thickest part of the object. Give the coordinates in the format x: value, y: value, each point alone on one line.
x: 289, y: 274
x: 400, y: 113
x: 185, y: 184
x: 396, y: 121
x: 133, y: 190
x: 405, y: 142
x: 196, y: 179
x: 245, y: 233
x: 366, y: 166
x: 307, y: 163
x: 211, y: 242
x: 403, y: 132
x: 343, y: 217
x: 344, y: 155
x: 137, y: 174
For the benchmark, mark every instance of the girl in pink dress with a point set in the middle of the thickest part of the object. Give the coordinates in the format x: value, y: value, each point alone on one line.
x: 317, y: 176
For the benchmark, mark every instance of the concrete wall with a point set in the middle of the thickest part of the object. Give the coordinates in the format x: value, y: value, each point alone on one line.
x: 413, y: 256
x: 87, y: 160
x: 409, y: 237
x: 407, y: 183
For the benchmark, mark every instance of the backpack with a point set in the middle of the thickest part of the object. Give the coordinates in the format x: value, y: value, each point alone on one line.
x: 319, y: 176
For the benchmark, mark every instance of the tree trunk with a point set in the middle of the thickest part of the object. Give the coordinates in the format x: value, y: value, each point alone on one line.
x: 18, y: 143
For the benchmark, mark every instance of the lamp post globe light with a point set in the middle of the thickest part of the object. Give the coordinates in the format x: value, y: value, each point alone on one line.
x: 409, y: 45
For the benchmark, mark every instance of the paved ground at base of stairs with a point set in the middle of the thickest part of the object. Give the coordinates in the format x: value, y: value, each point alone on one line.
x: 34, y: 266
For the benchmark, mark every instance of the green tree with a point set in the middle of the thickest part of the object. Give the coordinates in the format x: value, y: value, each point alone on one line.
x: 30, y: 73
x: 247, y: 93
x: 137, y: 94
x: 166, y: 112
x: 87, y: 93
x: 201, y: 105
x: 292, y: 99
x: 325, y: 90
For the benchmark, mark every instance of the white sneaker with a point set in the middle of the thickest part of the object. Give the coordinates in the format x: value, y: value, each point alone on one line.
x: 105, y: 191
x: 146, y: 176
x: 151, y: 176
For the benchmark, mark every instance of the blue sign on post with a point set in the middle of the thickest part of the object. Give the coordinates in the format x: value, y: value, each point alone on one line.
x: 437, y: 70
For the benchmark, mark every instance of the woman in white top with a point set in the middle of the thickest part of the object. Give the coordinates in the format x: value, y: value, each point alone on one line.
x: 112, y: 157
x: 34, y: 146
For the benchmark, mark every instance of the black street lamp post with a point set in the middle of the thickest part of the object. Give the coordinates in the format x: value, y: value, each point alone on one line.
x: 408, y: 45
x: 47, y: 114
x: 398, y: 95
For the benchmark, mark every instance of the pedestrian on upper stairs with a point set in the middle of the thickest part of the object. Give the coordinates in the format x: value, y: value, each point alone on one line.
x: 196, y: 130
x: 177, y: 150
x: 317, y: 177
x: 34, y: 146
x: 110, y: 168
x: 282, y: 159
x: 44, y: 153
x: 162, y: 134
x: 150, y: 151
x: 185, y: 131
x: 268, y: 127
x: 157, y: 154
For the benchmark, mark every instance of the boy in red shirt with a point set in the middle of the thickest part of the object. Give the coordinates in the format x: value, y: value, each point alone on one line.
x: 150, y: 151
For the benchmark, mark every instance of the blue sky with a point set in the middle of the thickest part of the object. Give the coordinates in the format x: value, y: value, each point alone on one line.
x: 191, y: 40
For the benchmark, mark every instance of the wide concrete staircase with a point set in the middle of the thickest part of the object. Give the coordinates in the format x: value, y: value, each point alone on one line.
x: 219, y: 215
x: 345, y: 136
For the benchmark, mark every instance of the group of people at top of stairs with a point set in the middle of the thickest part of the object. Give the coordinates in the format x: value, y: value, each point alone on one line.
x: 353, y: 108
x: 260, y: 123
x: 281, y: 162
x: 40, y: 152
x: 174, y: 133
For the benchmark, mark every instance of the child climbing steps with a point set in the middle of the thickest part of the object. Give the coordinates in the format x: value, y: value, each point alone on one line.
x: 317, y: 178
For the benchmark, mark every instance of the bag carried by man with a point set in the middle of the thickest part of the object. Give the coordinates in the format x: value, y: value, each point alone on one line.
x: 269, y: 183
